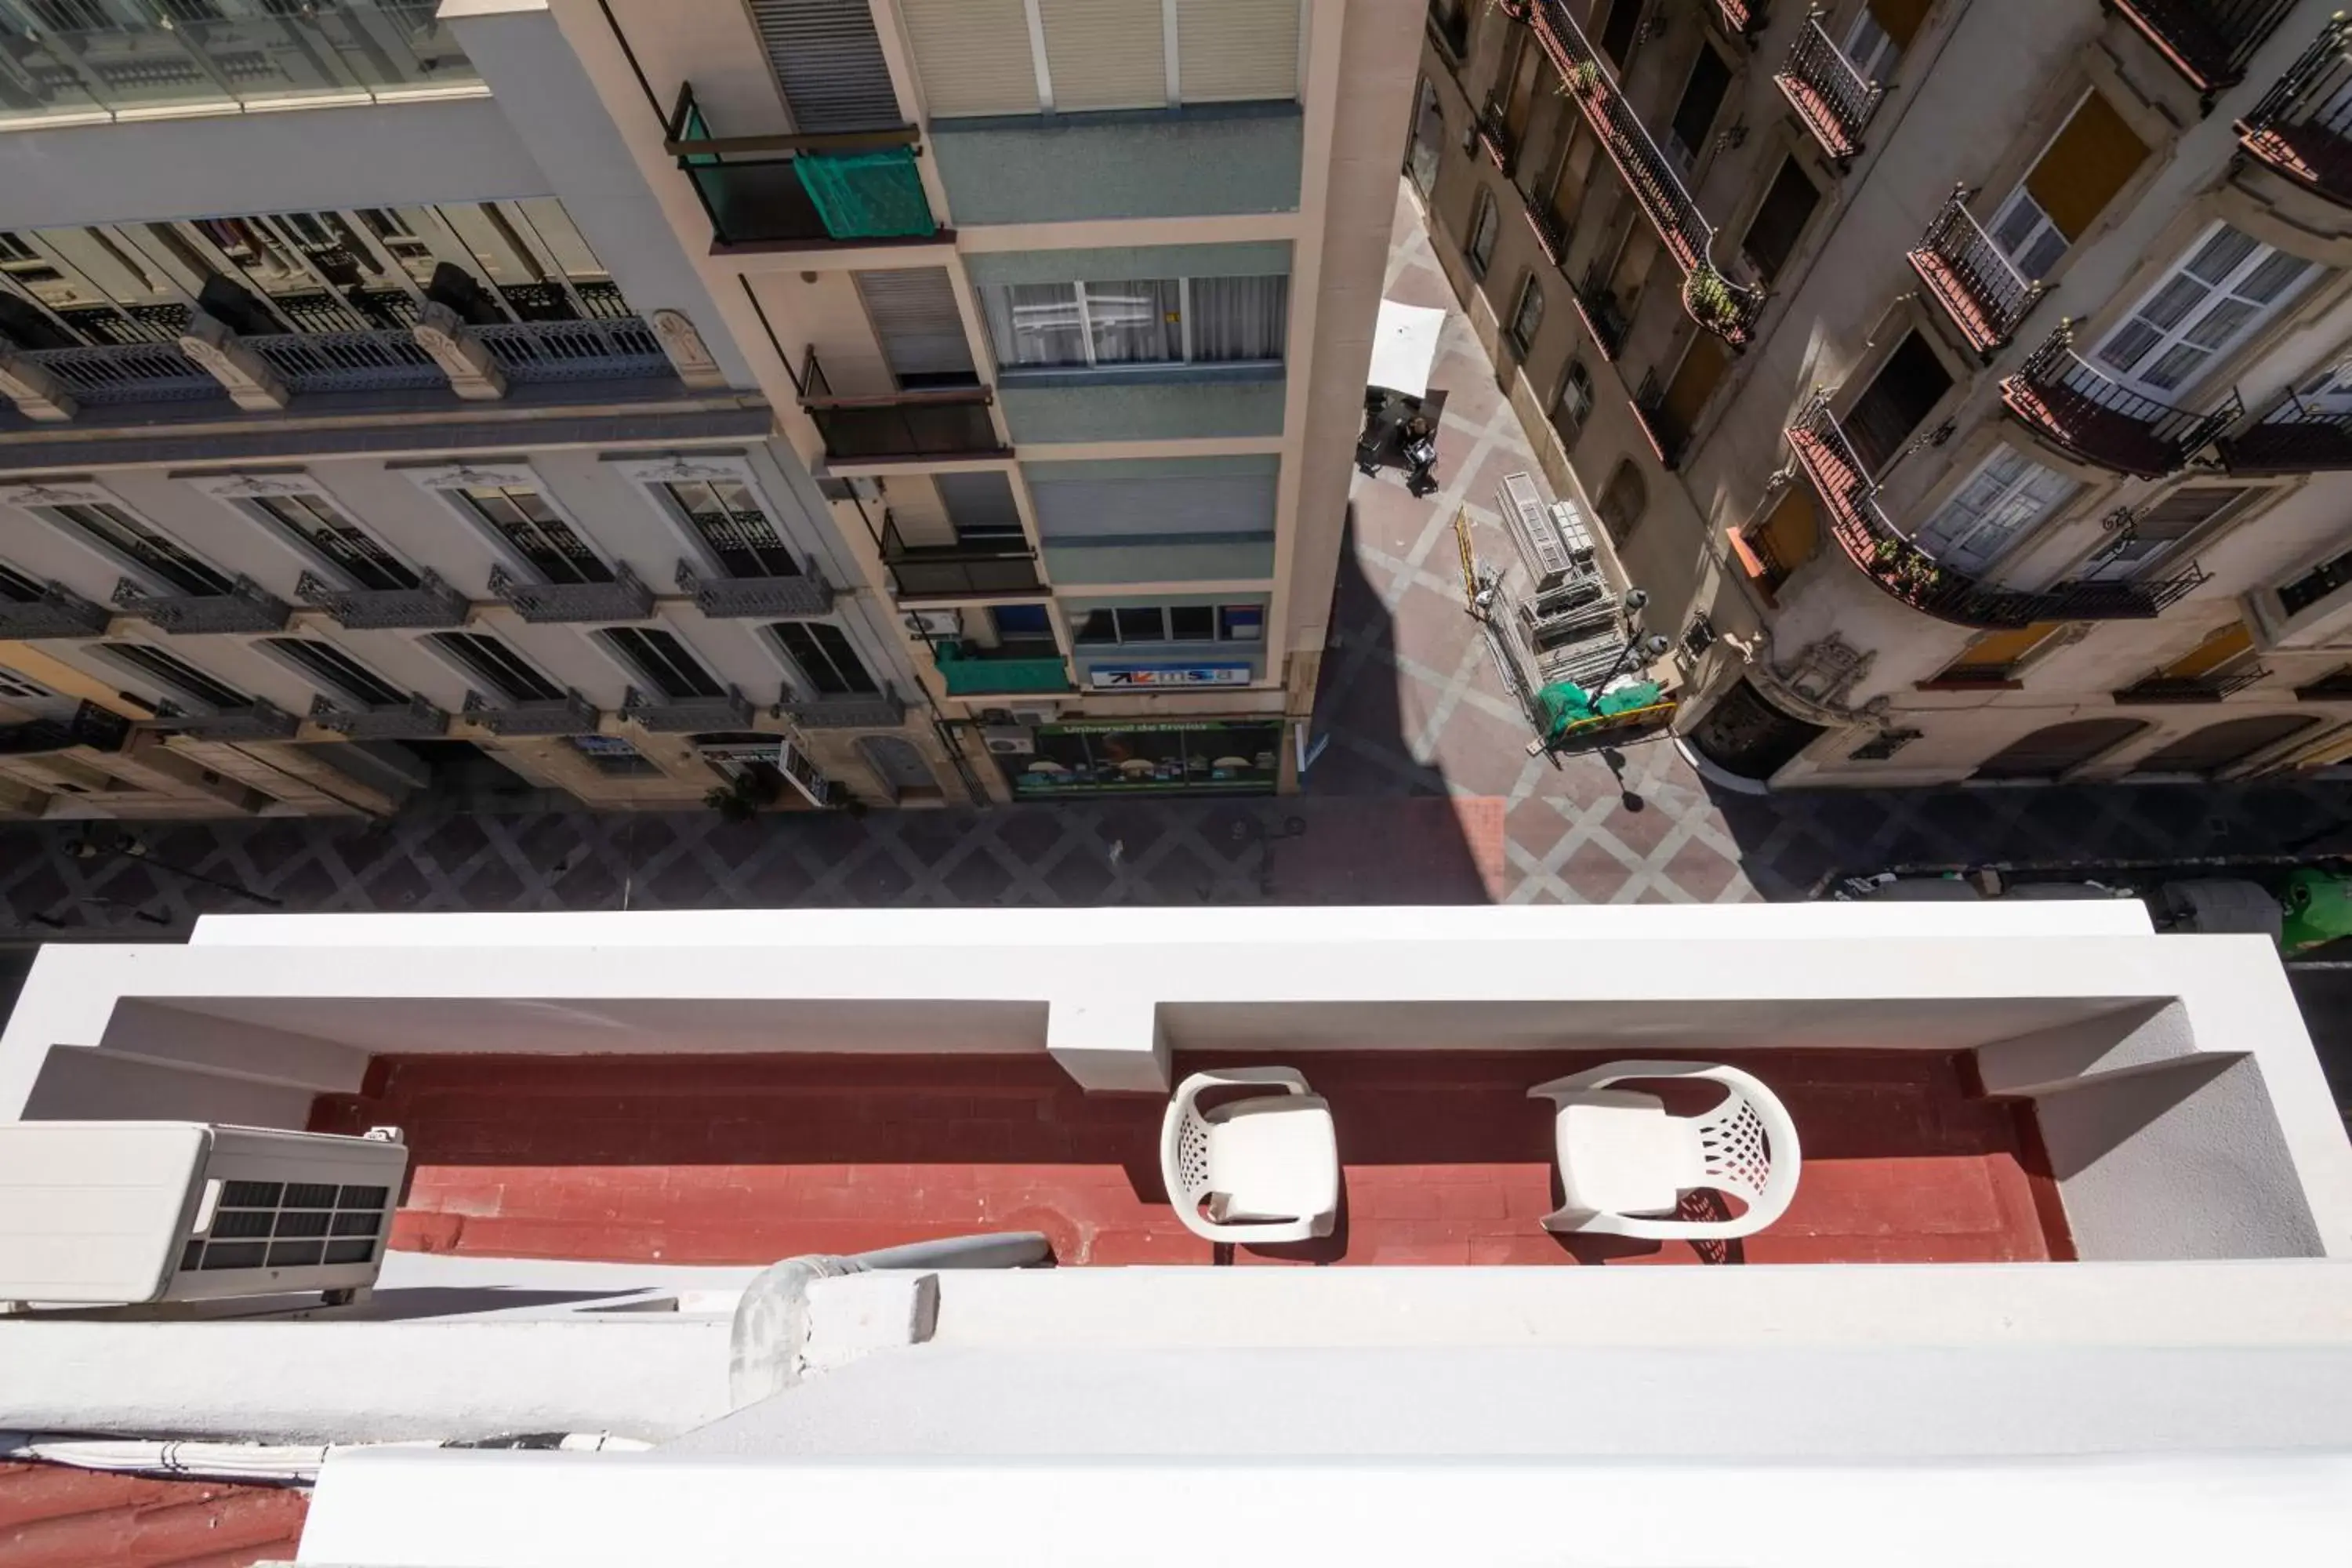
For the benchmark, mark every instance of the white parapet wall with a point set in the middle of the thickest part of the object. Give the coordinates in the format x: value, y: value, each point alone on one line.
x: 2185, y: 1112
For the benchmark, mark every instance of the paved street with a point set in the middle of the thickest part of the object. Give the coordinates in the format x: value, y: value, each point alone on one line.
x: 1424, y: 793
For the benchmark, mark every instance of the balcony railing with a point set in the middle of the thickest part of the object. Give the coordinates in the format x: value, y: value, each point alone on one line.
x: 979, y: 672
x: 2192, y: 687
x: 854, y: 187
x: 1495, y: 137
x: 1829, y: 95
x: 1666, y: 433
x: 2208, y: 41
x: 1551, y: 235
x: 1596, y: 305
x: 60, y: 612
x: 245, y: 608
x: 1742, y: 19
x: 388, y: 359
x: 2302, y: 129
x: 1978, y: 287
x: 2295, y: 438
x: 902, y: 426
x: 883, y: 709
x: 736, y: 597
x: 958, y: 571
x: 129, y: 372
x: 432, y: 602
x: 570, y: 714
x: 86, y: 59
x: 615, y: 349
x: 622, y: 599
x: 1726, y: 309
x: 414, y: 719
x: 89, y: 726
x: 256, y: 720
x: 1903, y: 570
x: 2063, y: 398
x: 686, y: 715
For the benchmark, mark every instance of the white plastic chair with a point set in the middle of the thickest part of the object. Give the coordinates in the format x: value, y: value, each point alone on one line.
x: 1268, y: 1164
x: 1625, y: 1163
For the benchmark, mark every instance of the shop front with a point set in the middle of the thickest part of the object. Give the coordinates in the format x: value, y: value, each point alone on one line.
x: 1189, y: 756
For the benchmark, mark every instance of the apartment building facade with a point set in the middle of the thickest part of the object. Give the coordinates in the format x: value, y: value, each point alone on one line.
x: 1963, y: 380
x: 368, y: 431
x: 1067, y: 303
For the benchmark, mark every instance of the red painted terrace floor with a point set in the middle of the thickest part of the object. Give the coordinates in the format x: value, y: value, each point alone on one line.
x: 751, y: 1159
x: 55, y: 1517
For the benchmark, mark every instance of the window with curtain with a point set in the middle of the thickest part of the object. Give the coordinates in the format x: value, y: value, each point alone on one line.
x: 1166, y: 320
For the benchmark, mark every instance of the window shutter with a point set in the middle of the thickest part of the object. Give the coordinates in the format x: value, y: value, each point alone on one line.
x: 828, y: 61
x: 1773, y: 233
x: 2001, y: 650
x: 1900, y: 19
x: 1230, y: 51
x: 1166, y: 503
x: 2231, y: 642
x: 1793, y: 530
x: 1105, y: 54
x: 2085, y: 166
x: 914, y: 313
x: 1907, y: 386
x: 973, y: 56
x: 1694, y: 382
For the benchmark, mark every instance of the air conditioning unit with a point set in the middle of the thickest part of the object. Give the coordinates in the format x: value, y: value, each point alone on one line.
x: 1034, y: 712
x: 124, y: 1212
x: 1009, y: 740
x: 935, y: 623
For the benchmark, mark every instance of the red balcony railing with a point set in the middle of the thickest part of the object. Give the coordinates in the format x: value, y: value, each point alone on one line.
x: 2295, y: 437
x: 1725, y: 308
x: 1828, y: 93
x: 1910, y: 573
x: 1551, y: 235
x: 2071, y: 403
x: 2302, y: 127
x: 1596, y: 304
x: 2208, y: 41
x: 1977, y: 285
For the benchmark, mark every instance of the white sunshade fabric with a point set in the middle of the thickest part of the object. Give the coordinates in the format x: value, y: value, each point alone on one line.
x: 1404, y: 347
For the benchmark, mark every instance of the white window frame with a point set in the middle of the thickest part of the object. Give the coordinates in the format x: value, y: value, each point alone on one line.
x: 238, y: 492
x: 1216, y: 638
x: 443, y: 481
x: 1885, y: 55
x: 35, y: 496
x: 2263, y: 314
x: 2019, y: 193
x: 2014, y: 537
x: 648, y: 476
x: 1184, y: 323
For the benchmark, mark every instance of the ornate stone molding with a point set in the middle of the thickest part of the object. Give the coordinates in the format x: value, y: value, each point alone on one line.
x: 57, y: 492
x: 456, y: 476
x: 243, y: 487
x: 474, y: 374
x: 681, y: 469
x: 689, y: 355
x: 1813, y: 683
x: 248, y: 379
x: 36, y: 392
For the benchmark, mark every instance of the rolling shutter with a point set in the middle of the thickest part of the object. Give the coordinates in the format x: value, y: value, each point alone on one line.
x: 1231, y: 51
x: 914, y: 313
x: 2085, y: 166
x: 973, y: 56
x: 829, y: 63
x: 1133, y: 504
x: 1105, y: 54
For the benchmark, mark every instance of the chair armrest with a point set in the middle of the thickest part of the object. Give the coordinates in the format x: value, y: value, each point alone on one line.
x: 1608, y: 1073
x: 1289, y: 1080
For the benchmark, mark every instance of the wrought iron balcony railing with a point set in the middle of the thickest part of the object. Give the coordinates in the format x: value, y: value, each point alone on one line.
x: 2072, y: 404
x: 617, y: 348
x: 1551, y: 235
x: 90, y: 725
x: 256, y: 720
x: 58, y: 611
x: 2302, y: 129
x: 2192, y: 687
x: 570, y: 714
x: 1911, y: 574
x: 432, y: 602
x: 1741, y: 19
x: 1667, y: 435
x: 386, y: 359
x: 1725, y: 308
x: 902, y: 426
x: 1978, y: 287
x: 883, y: 709
x: 129, y: 372
x: 414, y: 719
x: 1495, y: 137
x: 1828, y: 93
x: 807, y: 593
x: 2208, y: 42
x: 1596, y: 305
x: 958, y: 571
x: 854, y: 187
x: 686, y: 715
x: 622, y: 599
x: 2295, y: 437
x: 245, y: 608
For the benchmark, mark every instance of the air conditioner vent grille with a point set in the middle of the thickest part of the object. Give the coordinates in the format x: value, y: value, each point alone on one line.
x: 290, y: 1225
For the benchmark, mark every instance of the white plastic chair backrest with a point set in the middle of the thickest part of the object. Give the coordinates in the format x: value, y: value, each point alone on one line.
x: 1747, y: 1144
x: 1184, y: 1131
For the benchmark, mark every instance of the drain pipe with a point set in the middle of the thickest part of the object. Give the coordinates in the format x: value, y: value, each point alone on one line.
x: 765, y: 1348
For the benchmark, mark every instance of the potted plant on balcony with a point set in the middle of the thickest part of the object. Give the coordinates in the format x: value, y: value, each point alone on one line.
x: 1714, y: 303
x: 1583, y: 78
x: 745, y: 796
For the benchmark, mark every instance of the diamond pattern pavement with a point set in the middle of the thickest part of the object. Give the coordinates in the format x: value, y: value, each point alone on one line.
x: 1424, y: 794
